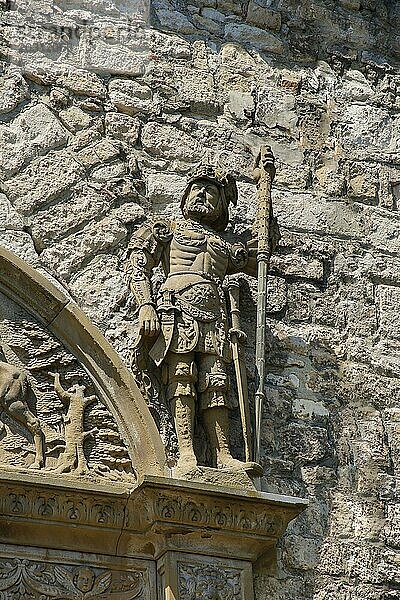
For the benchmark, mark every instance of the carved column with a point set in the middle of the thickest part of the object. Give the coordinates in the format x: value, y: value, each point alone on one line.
x: 206, y: 537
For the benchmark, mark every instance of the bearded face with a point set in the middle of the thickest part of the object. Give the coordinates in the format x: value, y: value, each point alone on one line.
x: 204, y: 202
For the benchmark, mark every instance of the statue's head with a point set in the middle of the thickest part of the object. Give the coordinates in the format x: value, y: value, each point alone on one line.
x: 84, y: 579
x: 207, y: 197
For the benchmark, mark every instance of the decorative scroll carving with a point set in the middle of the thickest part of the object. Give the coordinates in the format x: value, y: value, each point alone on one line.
x: 76, y: 508
x: 22, y: 579
x: 212, y: 513
x: 200, y: 581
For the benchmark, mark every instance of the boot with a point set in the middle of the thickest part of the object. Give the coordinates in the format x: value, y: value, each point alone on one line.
x: 183, y: 410
x: 216, y: 421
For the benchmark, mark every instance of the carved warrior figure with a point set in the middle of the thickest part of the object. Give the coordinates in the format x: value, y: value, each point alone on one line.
x: 14, y: 390
x: 189, y: 322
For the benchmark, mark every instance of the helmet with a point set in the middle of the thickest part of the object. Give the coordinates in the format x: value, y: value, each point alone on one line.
x: 226, y: 184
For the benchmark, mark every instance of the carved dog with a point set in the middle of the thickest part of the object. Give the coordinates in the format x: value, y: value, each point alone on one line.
x: 14, y: 387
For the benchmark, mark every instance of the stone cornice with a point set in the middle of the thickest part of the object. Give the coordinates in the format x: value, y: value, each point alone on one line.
x: 159, y: 514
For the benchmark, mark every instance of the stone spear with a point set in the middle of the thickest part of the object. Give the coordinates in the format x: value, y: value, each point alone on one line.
x: 238, y: 339
x: 264, y: 173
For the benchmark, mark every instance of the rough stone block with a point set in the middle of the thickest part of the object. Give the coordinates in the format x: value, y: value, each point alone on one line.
x: 67, y: 256
x: 9, y: 217
x: 175, y: 21
x: 166, y: 187
x: 130, y: 97
x: 82, y: 83
x: 301, y: 552
x: 97, y: 153
x: 35, y: 131
x: 293, y: 265
x: 111, y: 55
x: 13, y: 91
x: 75, y: 119
x: 305, y: 444
x: 170, y: 142
x: 350, y: 4
x: 123, y: 127
x: 263, y: 17
x: 60, y: 219
x: 43, y: 180
x: 253, y: 36
x: 389, y: 315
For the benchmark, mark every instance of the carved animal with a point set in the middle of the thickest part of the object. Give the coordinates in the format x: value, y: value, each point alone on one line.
x: 73, y: 458
x: 14, y: 387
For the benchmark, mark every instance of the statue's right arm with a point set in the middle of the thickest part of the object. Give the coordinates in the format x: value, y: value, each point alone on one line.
x: 146, y: 253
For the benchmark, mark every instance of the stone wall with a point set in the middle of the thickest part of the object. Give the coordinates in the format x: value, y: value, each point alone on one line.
x: 105, y: 106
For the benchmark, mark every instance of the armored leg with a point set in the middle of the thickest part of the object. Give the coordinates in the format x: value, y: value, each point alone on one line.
x: 213, y: 387
x: 181, y: 373
x: 216, y: 421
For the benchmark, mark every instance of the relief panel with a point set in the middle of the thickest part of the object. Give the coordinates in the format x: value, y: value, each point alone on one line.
x: 44, y: 575
x: 52, y: 417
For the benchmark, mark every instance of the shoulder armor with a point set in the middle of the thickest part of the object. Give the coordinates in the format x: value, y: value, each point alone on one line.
x: 162, y: 231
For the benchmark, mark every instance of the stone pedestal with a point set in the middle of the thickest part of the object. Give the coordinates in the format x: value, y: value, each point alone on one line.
x: 165, y: 539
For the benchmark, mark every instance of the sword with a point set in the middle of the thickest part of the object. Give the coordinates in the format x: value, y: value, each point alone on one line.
x: 240, y: 367
x: 264, y: 178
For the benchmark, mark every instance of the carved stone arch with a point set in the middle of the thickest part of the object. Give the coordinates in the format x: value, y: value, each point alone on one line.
x: 113, y: 381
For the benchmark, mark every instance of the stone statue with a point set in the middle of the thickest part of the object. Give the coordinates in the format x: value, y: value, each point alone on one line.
x: 14, y: 389
x: 73, y: 457
x: 189, y: 321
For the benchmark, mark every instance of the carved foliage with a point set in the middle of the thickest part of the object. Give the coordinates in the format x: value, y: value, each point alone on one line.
x: 200, y: 581
x: 22, y: 579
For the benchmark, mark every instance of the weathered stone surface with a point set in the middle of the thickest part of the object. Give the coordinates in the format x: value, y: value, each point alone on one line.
x: 35, y: 131
x: 168, y: 141
x: 260, y: 39
x: 9, y: 217
x: 82, y: 83
x: 60, y: 219
x: 75, y: 119
x: 94, y: 238
x: 130, y: 97
x: 164, y: 188
x: 263, y: 17
x: 101, y: 122
x: 43, y: 180
x: 13, y: 90
x: 172, y: 20
x: 123, y: 127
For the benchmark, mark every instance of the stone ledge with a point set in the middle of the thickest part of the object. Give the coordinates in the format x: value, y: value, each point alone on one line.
x: 158, y: 515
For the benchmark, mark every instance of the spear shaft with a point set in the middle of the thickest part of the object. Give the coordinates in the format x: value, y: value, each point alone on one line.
x: 263, y: 254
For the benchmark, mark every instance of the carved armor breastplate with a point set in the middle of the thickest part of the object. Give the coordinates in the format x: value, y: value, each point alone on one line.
x: 196, y: 249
